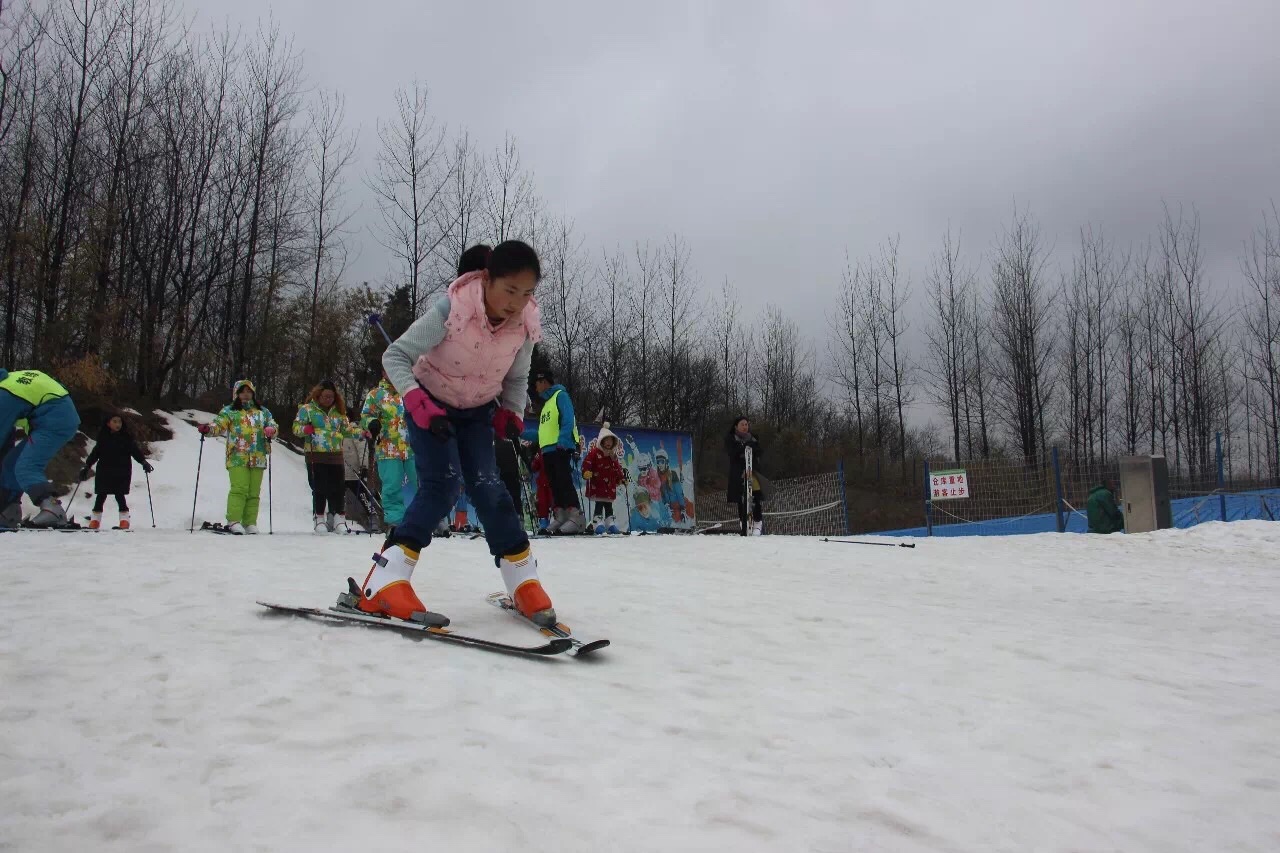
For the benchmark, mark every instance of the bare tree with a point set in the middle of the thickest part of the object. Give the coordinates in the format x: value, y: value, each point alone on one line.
x: 976, y: 382
x: 1261, y: 266
x: 951, y: 286
x: 845, y: 346
x: 1129, y: 349
x: 1090, y: 319
x: 1021, y: 325
x: 458, y: 216
x: 568, y: 310
x: 1194, y: 333
x: 412, y: 170
x: 679, y: 316
x: 83, y: 35
x: 612, y: 339
x: 728, y: 338
x: 332, y: 149
x: 643, y: 293
x: 895, y: 293
x: 789, y: 377
x: 272, y: 96
x: 509, y: 201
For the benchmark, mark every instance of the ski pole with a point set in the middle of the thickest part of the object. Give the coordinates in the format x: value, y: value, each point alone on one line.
x: 74, y: 495
x: 271, y: 529
x: 150, y: 502
x: 375, y: 320
x: 882, y: 544
x: 199, y: 459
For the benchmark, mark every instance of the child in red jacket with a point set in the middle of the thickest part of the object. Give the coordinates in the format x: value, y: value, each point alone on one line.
x: 603, y: 474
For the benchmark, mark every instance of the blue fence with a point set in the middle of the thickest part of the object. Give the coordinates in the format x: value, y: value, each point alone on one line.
x: 1262, y: 504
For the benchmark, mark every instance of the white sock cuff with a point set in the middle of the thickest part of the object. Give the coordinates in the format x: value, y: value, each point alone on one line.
x: 518, y: 569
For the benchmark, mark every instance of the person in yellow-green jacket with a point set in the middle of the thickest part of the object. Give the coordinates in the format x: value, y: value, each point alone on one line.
x: 249, y: 429
x: 323, y: 424
x: 52, y: 421
x: 382, y: 419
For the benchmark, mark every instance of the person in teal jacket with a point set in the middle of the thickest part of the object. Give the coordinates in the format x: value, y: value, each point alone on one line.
x: 1104, y: 514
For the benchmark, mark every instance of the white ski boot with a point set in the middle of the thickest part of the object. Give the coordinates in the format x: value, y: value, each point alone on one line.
x: 520, y: 575
x: 51, y: 514
x: 573, y: 524
x: 388, y: 588
x: 319, y: 525
x: 558, y: 517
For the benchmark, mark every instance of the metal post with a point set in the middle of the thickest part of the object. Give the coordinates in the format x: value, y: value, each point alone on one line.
x: 1222, y: 496
x: 928, y: 501
x: 844, y: 498
x: 1057, y: 487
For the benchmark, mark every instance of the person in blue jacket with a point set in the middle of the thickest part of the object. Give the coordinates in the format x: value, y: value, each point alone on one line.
x: 559, y: 440
x: 52, y: 421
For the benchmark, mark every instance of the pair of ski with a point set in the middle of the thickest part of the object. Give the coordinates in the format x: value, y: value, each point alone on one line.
x: 560, y: 638
x: 67, y: 527
x: 219, y: 527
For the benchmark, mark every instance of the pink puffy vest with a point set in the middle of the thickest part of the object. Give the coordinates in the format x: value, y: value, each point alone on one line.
x: 466, y: 369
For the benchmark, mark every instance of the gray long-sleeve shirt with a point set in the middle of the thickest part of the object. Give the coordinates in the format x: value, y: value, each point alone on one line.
x: 426, y: 333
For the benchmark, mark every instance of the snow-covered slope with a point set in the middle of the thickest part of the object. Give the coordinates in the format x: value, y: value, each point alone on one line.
x: 1030, y: 693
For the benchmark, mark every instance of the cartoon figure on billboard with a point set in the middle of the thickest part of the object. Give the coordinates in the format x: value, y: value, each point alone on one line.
x: 671, y: 484
x: 647, y: 515
x: 646, y: 476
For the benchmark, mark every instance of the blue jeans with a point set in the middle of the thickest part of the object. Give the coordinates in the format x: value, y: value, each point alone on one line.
x: 470, y: 449
x: 53, y: 424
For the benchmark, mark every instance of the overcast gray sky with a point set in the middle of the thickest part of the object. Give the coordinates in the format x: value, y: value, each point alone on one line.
x: 774, y: 135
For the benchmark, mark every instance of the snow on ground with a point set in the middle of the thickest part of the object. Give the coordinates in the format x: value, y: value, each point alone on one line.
x: 1049, y: 692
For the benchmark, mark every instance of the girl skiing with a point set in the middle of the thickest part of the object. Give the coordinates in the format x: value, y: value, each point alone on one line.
x: 603, y: 474
x: 474, y: 345
x: 114, y: 455
x: 323, y: 424
x: 249, y: 429
x: 382, y: 419
x: 736, y: 444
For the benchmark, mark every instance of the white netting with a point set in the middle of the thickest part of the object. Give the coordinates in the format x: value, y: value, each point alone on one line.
x: 813, y: 505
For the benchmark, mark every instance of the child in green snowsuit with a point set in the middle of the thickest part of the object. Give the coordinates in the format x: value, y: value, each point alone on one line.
x: 249, y: 429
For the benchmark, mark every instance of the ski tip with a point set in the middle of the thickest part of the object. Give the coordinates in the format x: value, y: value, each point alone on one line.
x: 588, y: 648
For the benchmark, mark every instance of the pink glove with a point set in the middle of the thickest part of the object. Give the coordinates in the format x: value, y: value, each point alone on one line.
x: 308, y: 430
x: 366, y: 435
x: 203, y: 429
x: 269, y: 432
x: 427, y: 413
x: 507, y: 424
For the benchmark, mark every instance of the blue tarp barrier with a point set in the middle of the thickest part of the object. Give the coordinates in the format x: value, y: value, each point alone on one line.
x: 1262, y: 505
